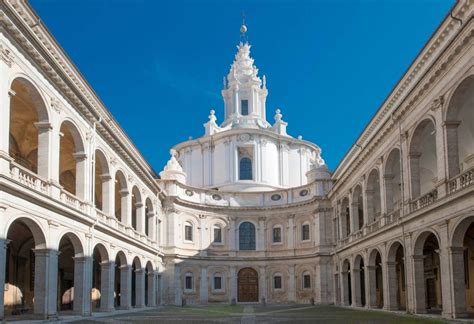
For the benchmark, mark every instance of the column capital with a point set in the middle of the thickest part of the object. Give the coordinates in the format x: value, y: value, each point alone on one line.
x: 451, y: 123
x: 456, y: 249
x: 80, y: 156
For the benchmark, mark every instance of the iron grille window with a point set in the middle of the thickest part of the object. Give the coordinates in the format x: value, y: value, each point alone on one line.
x: 306, y: 281
x: 247, y: 236
x: 189, y: 282
x: 217, y: 283
x: 217, y: 235
x: 277, y: 282
x: 277, y: 235
x: 245, y: 169
x: 305, y: 232
x: 188, y: 232
x: 244, y: 107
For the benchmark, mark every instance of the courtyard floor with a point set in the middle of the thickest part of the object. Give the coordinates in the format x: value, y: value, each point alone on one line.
x: 249, y: 314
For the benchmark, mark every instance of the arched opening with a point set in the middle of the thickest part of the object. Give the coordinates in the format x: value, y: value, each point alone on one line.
x: 345, y: 218
x: 247, y: 282
x: 393, y: 183
x: 423, y: 159
x: 138, y: 284
x: 100, y: 278
x: 396, y: 277
x: 101, y: 182
x: 149, y: 285
x: 346, y: 284
x: 137, y: 210
x: 459, y: 127
x: 374, y: 210
x: 245, y: 169
x: 70, y: 272
x: 121, y: 282
x: 375, y: 276
x: 359, y: 281
x: 29, y: 128
x: 23, y: 275
x: 121, y: 197
x: 427, y: 274
x: 247, y: 237
x: 72, y: 160
x: 462, y: 254
x: 358, y: 208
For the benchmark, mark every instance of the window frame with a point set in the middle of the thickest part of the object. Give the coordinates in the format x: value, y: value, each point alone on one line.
x: 214, y: 276
x: 302, y: 232
x: 254, y: 236
x: 214, y: 228
x: 247, y: 157
x: 186, y: 276
x: 242, y: 106
x: 281, y: 234
x: 188, y: 224
x: 277, y: 275
x: 306, y: 274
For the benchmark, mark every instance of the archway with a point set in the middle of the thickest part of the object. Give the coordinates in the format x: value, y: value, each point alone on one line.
x: 101, y: 182
x: 121, y: 197
x: 428, y: 293
x: 72, y: 160
x: 23, y: 274
x: 359, y: 281
x: 137, y: 210
x: 392, y: 177
x: 375, y: 279
x: 396, y: 277
x: 373, y: 196
x: 358, y: 208
x: 423, y: 159
x: 29, y: 128
x: 345, y: 218
x: 150, y: 299
x: 247, y: 281
x: 459, y: 127
x: 346, y: 284
x: 122, y: 283
x: 100, y: 296
x: 138, y: 284
x: 149, y: 219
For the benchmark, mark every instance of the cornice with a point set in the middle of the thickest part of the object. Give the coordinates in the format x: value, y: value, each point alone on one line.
x: 447, y: 43
x: 21, y: 23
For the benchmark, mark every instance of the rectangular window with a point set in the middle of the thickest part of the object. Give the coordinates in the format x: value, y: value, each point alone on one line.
x: 217, y: 283
x: 188, y: 232
x: 217, y: 235
x: 244, y: 107
x: 189, y: 283
x: 277, y: 235
x: 306, y: 281
x: 305, y: 232
x: 277, y: 282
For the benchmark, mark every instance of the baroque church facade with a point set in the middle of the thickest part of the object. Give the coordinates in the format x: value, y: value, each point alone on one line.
x: 245, y: 213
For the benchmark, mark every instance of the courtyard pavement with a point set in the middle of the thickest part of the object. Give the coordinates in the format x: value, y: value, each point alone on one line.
x: 250, y: 314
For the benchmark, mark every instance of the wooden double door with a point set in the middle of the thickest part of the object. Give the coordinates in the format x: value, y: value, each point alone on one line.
x: 247, y: 282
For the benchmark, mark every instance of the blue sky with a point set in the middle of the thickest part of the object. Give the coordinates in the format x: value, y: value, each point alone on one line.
x: 158, y: 65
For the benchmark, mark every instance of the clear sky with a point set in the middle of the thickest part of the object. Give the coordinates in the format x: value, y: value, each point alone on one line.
x: 158, y: 65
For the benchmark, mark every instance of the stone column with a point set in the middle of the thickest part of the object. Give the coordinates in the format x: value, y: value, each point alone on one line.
x: 291, y: 284
x: 233, y: 283
x: 178, y: 290
x: 392, y: 286
x: 262, y: 291
x: 345, y: 288
x: 261, y: 234
x: 44, y: 149
x: 5, y: 95
x: 419, y: 300
x: 203, y: 288
x: 458, y: 277
x: 232, y: 234
x: 356, y: 288
x: 441, y: 153
x: 140, y: 288
x: 3, y: 261
x: 291, y: 232
x: 371, y: 291
x: 140, y: 217
x: 82, y: 285
x: 151, y: 289
x: 82, y: 183
x: 388, y: 185
x: 445, y: 271
x: 125, y: 286
x: 108, y: 199
x: 452, y: 150
x: 369, y: 194
x: 107, y: 275
x: 126, y: 202
x: 46, y: 283
x: 414, y: 159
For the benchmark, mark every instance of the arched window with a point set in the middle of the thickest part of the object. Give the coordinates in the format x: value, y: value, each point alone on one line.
x: 245, y: 169
x: 188, y: 232
x: 247, y: 236
x: 217, y: 234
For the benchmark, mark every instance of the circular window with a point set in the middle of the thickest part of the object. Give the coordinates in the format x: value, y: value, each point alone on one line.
x: 276, y: 197
x: 216, y: 197
x: 304, y: 192
x: 189, y: 192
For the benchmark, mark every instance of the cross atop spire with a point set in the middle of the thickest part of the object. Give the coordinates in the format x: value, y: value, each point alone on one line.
x: 243, y: 30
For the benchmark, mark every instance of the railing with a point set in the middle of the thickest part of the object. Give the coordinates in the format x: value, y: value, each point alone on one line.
x: 71, y: 200
x: 461, y: 181
x: 392, y: 217
x: 28, y: 178
x: 101, y: 215
x: 425, y: 200
x: 375, y: 225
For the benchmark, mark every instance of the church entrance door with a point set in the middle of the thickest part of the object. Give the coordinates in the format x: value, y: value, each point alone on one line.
x: 247, y: 285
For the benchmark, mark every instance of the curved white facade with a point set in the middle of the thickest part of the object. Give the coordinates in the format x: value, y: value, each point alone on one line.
x: 277, y: 160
